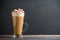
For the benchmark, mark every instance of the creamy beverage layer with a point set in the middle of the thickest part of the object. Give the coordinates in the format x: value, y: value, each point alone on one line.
x: 19, y: 25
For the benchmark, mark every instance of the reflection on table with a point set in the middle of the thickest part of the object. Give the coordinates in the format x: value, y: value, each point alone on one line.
x: 31, y: 37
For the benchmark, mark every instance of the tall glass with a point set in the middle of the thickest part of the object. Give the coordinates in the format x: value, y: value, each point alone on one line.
x: 18, y: 21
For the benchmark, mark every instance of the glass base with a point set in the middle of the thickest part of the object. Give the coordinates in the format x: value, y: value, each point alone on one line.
x: 17, y: 36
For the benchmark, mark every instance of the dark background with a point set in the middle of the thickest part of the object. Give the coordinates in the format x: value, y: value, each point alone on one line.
x: 43, y: 16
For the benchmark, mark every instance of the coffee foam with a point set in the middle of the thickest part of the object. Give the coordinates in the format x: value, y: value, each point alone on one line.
x: 17, y: 14
x: 20, y: 14
x: 13, y: 14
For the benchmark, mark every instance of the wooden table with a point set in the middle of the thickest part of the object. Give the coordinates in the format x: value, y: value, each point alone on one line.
x: 31, y: 37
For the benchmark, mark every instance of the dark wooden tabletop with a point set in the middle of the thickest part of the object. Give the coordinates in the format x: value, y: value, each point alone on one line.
x: 31, y: 37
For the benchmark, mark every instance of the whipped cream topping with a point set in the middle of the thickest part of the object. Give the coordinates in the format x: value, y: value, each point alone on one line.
x: 20, y: 14
x: 17, y: 14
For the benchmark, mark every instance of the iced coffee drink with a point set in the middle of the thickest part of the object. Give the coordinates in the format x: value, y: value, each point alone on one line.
x: 18, y: 21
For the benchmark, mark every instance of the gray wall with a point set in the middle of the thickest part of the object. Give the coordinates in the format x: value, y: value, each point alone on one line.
x: 43, y: 16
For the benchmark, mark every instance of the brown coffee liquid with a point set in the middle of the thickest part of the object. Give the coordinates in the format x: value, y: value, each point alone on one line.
x: 14, y: 22
x: 18, y: 25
